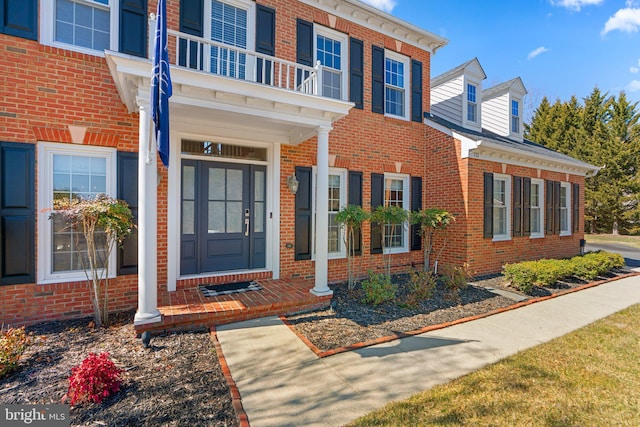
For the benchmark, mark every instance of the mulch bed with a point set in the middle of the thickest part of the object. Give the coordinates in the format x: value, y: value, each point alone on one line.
x: 176, y: 382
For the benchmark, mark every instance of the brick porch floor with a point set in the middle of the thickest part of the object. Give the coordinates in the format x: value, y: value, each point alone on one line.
x: 189, y: 309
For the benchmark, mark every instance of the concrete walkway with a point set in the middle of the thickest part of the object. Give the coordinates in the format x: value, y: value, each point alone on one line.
x: 283, y: 383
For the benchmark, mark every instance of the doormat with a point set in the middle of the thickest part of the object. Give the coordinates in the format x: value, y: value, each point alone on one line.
x: 228, y: 288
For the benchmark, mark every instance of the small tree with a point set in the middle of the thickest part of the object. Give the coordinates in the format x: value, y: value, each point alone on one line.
x: 432, y: 222
x: 388, y: 218
x: 104, y: 222
x: 352, y: 217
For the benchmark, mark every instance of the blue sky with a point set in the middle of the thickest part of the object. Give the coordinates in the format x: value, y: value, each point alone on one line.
x: 558, y: 47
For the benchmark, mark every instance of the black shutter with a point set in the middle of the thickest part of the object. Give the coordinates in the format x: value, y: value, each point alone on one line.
x: 377, y: 199
x: 377, y: 80
x: 304, y: 43
x: 575, y: 204
x: 556, y: 207
x: 526, y: 206
x: 517, y: 206
x: 265, y: 41
x: 304, y: 213
x: 416, y: 91
x: 356, y: 72
x: 355, y: 198
x: 548, y: 207
x: 133, y: 27
x: 488, y: 205
x: 17, y: 213
x: 19, y: 18
x: 416, y: 205
x: 128, y: 191
x: 191, y: 22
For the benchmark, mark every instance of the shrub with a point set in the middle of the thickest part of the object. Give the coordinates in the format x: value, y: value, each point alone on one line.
x: 13, y: 342
x: 422, y: 285
x: 96, y: 378
x: 520, y: 275
x: 378, y: 289
x: 549, y: 271
x: 455, y: 279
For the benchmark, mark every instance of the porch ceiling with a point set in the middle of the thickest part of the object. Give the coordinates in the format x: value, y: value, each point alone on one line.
x: 232, y: 107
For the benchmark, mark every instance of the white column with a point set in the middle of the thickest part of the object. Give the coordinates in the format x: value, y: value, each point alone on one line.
x: 147, y: 224
x: 322, y: 214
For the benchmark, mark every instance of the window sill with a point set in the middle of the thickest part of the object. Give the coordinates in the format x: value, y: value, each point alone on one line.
x: 565, y: 234
x: 74, y: 48
x: 393, y: 116
x: 68, y: 279
x: 536, y: 236
x: 502, y: 238
x: 393, y: 251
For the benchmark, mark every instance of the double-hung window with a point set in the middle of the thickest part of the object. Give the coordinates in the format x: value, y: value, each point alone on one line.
x: 330, y: 48
x: 88, y: 26
x: 230, y: 25
x: 515, y: 116
x: 565, y: 203
x: 501, y: 203
x: 72, y: 172
x: 472, y: 106
x: 396, y: 193
x: 537, y: 210
x: 396, y: 78
x: 337, y: 198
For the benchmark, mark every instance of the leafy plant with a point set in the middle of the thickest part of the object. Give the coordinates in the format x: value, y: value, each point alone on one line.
x: 455, y: 279
x: 96, y: 378
x: 433, y: 222
x: 388, y: 218
x: 378, y: 289
x: 422, y: 285
x: 352, y: 217
x: 94, y: 217
x: 13, y: 342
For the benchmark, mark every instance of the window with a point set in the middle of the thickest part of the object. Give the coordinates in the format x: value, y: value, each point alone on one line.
x: 501, y: 203
x: 67, y: 171
x: 396, y: 193
x: 472, y: 106
x: 537, y: 211
x: 515, y: 116
x: 88, y: 26
x: 395, y: 79
x: 229, y: 25
x: 565, y: 202
x: 337, y: 198
x: 330, y: 50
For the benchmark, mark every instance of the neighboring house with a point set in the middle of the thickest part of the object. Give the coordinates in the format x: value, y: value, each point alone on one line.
x: 251, y: 110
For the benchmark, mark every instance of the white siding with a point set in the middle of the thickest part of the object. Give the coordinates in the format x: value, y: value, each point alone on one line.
x: 496, y: 114
x: 446, y: 100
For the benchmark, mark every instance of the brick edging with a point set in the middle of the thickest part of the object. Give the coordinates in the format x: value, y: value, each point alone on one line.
x: 430, y: 328
x: 236, y: 399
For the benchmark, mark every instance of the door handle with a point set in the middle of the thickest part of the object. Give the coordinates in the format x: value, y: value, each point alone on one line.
x: 246, y: 226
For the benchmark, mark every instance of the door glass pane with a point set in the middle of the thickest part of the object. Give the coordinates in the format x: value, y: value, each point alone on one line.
x: 188, y: 217
x: 259, y: 186
x: 258, y: 217
x: 216, y: 217
x: 189, y: 182
x: 234, y: 217
x: 216, y: 184
x: 234, y: 184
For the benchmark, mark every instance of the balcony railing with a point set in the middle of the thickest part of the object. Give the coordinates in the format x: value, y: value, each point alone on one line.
x: 208, y: 56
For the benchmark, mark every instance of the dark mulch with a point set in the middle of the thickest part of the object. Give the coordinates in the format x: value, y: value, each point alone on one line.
x: 176, y: 382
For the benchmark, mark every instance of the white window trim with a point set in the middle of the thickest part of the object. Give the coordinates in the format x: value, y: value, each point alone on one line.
x: 47, y: 27
x: 405, y: 205
x: 507, y: 202
x: 46, y: 151
x: 344, y: 54
x: 520, y: 124
x: 407, y: 83
x: 465, y: 102
x: 567, y: 232
x: 541, y: 199
x: 343, y: 198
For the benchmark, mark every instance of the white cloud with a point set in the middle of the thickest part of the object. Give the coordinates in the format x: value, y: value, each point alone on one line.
x: 386, y: 5
x: 632, y: 3
x: 575, y: 4
x: 633, y: 86
x: 627, y: 20
x: 536, y: 52
x: 633, y: 69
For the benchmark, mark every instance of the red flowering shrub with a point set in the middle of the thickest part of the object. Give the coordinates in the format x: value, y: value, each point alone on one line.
x: 94, y: 379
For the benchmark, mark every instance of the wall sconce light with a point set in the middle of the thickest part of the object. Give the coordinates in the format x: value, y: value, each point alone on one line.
x: 292, y: 183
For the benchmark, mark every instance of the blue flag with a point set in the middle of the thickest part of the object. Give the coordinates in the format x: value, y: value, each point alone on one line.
x: 161, y: 84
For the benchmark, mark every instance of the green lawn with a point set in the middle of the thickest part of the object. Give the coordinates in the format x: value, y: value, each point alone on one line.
x: 633, y: 241
x: 590, y: 377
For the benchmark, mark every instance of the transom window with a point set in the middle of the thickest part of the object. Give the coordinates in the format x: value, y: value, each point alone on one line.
x: 396, y: 193
x: 515, y: 116
x: 472, y: 107
x: 228, y: 26
x: 330, y: 50
x: 501, y: 203
x: 537, y: 212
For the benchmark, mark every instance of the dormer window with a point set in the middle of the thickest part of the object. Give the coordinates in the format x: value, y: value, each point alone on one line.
x: 472, y: 106
x: 515, y: 116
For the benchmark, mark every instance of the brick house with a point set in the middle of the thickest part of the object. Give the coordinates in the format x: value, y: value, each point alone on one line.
x: 334, y: 96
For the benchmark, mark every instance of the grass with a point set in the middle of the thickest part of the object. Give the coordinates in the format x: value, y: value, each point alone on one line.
x: 588, y: 377
x: 633, y: 241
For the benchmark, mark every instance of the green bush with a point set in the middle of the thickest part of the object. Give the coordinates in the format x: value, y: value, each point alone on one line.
x: 378, y: 289
x: 520, y: 275
x: 13, y: 342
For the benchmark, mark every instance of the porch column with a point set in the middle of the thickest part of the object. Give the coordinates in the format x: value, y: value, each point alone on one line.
x: 322, y: 214
x: 147, y: 223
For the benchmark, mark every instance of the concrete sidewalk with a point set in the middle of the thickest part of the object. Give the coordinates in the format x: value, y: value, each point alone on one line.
x: 283, y: 383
